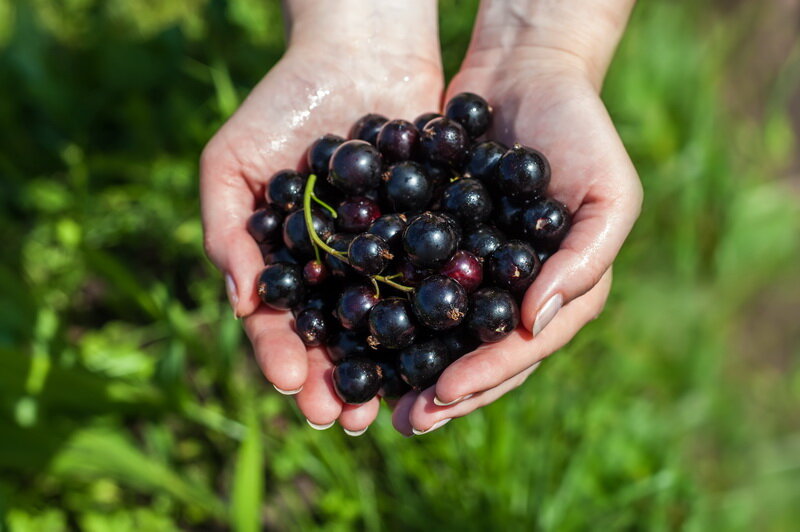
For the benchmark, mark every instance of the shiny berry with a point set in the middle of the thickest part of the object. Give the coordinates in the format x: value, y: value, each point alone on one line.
x: 279, y: 255
x: 471, y: 111
x: 295, y: 231
x: 543, y: 255
x: 367, y: 127
x: 444, y: 141
x: 459, y: 342
x: 280, y: 285
x: 420, y: 365
x: 424, y: 118
x: 264, y: 225
x: 468, y: 201
x: 391, y: 325
x: 546, y: 222
x: 523, y: 173
x: 354, y: 305
x: 398, y: 140
x: 440, y: 302
x: 406, y: 187
x: 513, y: 266
x: 344, y: 344
x: 311, y: 327
x: 493, y: 314
x: 390, y: 228
x: 314, y: 272
x: 393, y: 387
x: 336, y: 266
x: 319, y: 154
x: 322, y: 300
x: 285, y: 190
x: 464, y: 268
x: 483, y: 160
x: 508, y: 215
x: 356, y: 380
x: 429, y: 240
x: 483, y: 240
x: 369, y: 254
x: 355, y: 167
x: 412, y: 275
x: 354, y: 215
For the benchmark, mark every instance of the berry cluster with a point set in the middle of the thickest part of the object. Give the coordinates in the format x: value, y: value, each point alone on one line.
x: 434, y: 238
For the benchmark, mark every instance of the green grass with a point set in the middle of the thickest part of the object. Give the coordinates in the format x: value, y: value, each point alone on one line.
x: 129, y: 400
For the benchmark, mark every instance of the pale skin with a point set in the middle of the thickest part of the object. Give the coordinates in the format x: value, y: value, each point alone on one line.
x: 540, y: 63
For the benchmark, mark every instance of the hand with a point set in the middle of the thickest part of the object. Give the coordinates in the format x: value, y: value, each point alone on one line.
x: 546, y: 98
x: 324, y: 83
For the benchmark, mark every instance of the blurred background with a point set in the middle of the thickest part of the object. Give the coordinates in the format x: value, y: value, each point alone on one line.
x: 128, y: 397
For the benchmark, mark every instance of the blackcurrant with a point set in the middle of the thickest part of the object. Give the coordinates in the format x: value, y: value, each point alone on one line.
x: 367, y: 127
x: 393, y: 387
x: 471, y: 111
x: 280, y: 285
x: 285, y: 190
x: 391, y: 324
x: 279, y: 255
x: 354, y: 305
x: 264, y: 225
x: 444, y: 141
x: 465, y: 268
x: 354, y: 215
x: 424, y: 118
x: 312, y: 327
x: 483, y: 240
x: 483, y: 160
x: 546, y: 222
x: 440, y: 302
x: 336, y: 266
x: 406, y: 187
x: 356, y: 380
x: 344, y: 344
x: 314, y: 272
x: 355, y: 167
x: 390, y: 228
x: 369, y: 254
x: 412, y: 275
x: 468, y: 201
x: 295, y: 231
x: 508, y: 215
x: 429, y: 240
x: 398, y: 140
x: 420, y: 365
x: 523, y: 173
x: 493, y: 314
x: 319, y: 154
x: 513, y: 266
x: 459, y: 342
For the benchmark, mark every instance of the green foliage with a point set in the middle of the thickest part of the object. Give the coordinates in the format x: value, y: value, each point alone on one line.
x: 128, y: 398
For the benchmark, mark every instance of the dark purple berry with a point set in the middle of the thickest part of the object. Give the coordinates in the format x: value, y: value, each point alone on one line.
x: 319, y: 154
x: 314, y: 272
x: 468, y: 201
x: 356, y: 380
x: 355, y: 167
x: 354, y: 305
x: 311, y: 327
x: 420, y: 365
x: 345, y: 344
x: 523, y: 173
x: 546, y: 222
x: 390, y: 228
x: 464, y: 268
x: 406, y: 187
x: 508, y: 215
x: 424, y: 118
x: 391, y: 325
x: 367, y: 127
x: 393, y: 387
x: 336, y: 266
x: 483, y: 160
x: 264, y: 225
x: 354, y: 215
x: 285, y: 190
x: 471, y: 111
x: 483, y: 240
x: 513, y: 266
x: 429, y: 240
x: 295, y: 231
x: 444, y: 141
x: 280, y: 285
x: 279, y: 255
x: 440, y: 302
x: 369, y: 254
x: 412, y: 275
x: 459, y: 342
x: 493, y: 314
x: 398, y: 140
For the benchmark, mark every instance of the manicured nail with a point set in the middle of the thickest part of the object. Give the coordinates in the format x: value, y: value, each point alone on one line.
x: 547, y: 313
x: 437, y: 402
x: 288, y: 392
x: 233, y: 296
x: 435, y: 426
x: 356, y: 432
x: 320, y: 427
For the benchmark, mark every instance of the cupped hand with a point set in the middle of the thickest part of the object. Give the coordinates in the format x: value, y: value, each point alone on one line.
x: 548, y: 100
x: 315, y: 89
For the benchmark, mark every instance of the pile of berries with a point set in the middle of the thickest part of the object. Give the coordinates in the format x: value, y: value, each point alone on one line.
x: 408, y: 245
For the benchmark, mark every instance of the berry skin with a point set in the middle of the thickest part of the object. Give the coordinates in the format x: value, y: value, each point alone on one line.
x: 356, y: 380
x: 412, y: 275
x: 493, y: 314
x: 471, y: 111
x: 345, y: 344
x: 391, y: 325
x: 406, y: 187
x: 444, y: 141
x: 440, y: 303
x: 466, y: 269
x: 429, y: 240
x: 355, y: 167
x: 369, y: 254
x: 354, y: 215
x: 264, y: 225
x: 354, y: 305
x: 394, y: 387
x: 319, y: 154
x: 523, y: 173
x: 280, y: 285
x: 508, y: 215
x: 513, y: 266
x: 279, y: 255
x: 314, y: 273
x: 295, y: 232
x: 420, y: 365
x: 459, y: 342
x: 424, y: 118
x: 336, y: 266
x: 546, y: 222
x: 468, y: 201
x: 367, y: 128
x: 398, y: 140
x: 390, y: 228
x: 286, y: 190
x: 483, y: 160
x: 311, y: 327
x: 483, y: 240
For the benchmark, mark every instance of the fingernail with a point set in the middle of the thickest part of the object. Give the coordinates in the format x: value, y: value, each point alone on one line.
x: 288, y: 392
x: 437, y: 402
x: 233, y: 296
x: 547, y: 313
x: 435, y: 426
x: 320, y: 427
x: 356, y: 432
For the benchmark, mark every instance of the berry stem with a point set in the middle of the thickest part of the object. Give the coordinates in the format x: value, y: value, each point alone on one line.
x: 325, y: 205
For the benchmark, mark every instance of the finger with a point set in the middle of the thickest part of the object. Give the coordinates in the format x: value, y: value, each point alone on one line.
x: 226, y: 203
x: 280, y: 353
x: 400, y: 416
x: 318, y: 400
x: 356, y: 419
x: 426, y: 416
x: 492, y: 364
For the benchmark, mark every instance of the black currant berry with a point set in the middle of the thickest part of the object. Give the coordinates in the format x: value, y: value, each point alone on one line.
x: 424, y: 118
x: 523, y: 173
x: 280, y: 285
x: 356, y: 380
x: 471, y: 111
x: 412, y: 275
x: 354, y: 215
x: 345, y: 344
x: 279, y: 255
x: 336, y: 266
x: 393, y: 387
x: 264, y: 225
x: 508, y: 215
x: 468, y: 201
x: 311, y: 327
x: 295, y: 231
x: 483, y: 160
x: 440, y: 302
x: 483, y: 240
x: 513, y: 266
x: 546, y: 222
x: 406, y: 187
x: 314, y: 273
x: 354, y: 305
x: 391, y: 325
x: 285, y: 190
x: 323, y: 300
x: 398, y: 140
x: 493, y: 314
x: 367, y: 127
x: 369, y: 254
x: 319, y: 154
x: 444, y: 141
x: 459, y: 342
x: 390, y: 228
x: 465, y: 268
x: 420, y: 365
x: 355, y: 167
x: 429, y: 240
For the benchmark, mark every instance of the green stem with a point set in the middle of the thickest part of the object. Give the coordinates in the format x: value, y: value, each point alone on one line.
x: 399, y: 286
x: 322, y: 203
